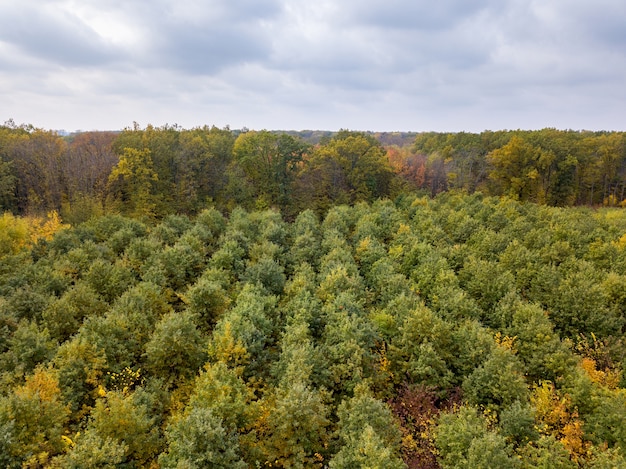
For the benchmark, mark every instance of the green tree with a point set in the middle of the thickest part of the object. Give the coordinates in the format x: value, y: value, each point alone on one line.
x: 538, y: 345
x: 128, y: 325
x: 267, y: 273
x: 269, y: 161
x: 369, y: 436
x: 64, y: 316
x: 498, y: 382
x: 201, y: 160
x: 91, y: 450
x: 423, y: 350
x: 109, y: 280
x: 81, y: 368
x: 367, y: 451
x: 7, y: 185
x: 207, y: 298
x: 518, y: 425
x: 487, y: 282
x: 161, y: 145
x: 347, y: 343
x: 197, y: 440
x: 28, y: 347
x: 176, y: 350
x: 247, y: 333
x: 222, y: 390
x: 579, y: 303
x: 294, y: 434
x: 464, y: 441
x: 127, y: 420
x: 546, y: 453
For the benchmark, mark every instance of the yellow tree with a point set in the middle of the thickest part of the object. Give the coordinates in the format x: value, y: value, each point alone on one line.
x: 514, y: 169
x: 352, y: 167
x: 131, y: 183
x: 32, y: 421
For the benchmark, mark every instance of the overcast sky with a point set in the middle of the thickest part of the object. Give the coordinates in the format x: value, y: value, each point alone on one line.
x: 382, y: 65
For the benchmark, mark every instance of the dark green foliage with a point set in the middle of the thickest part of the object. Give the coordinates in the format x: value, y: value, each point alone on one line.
x: 464, y: 441
x: 538, y: 345
x: 25, y: 303
x: 212, y: 220
x: 498, y: 382
x: 222, y: 390
x: 109, y: 280
x: 423, y: 349
x: 368, y: 435
x: 176, y: 350
x: 174, y: 267
x: 297, y: 426
x: 546, y: 452
x: 518, y: 423
x: 463, y: 331
x: 267, y: 273
x: 113, y: 229
x: 127, y: 326
x: 28, y: 347
x: 269, y: 162
x: 253, y: 324
x: 81, y: 367
x: 199, y: 440
x: 579, y: 305
x: 64, y: 316
x: 207, y: 298
x: 347, y: 344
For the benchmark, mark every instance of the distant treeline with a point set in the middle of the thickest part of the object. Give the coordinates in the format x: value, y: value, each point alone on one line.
x: 150, y: 172
x: 549, y: 166
x: 153, y: 171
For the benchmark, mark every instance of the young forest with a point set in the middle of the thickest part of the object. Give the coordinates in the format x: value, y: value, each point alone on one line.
x: 214, y: 298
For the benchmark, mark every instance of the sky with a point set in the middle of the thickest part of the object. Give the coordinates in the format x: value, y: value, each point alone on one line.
x: 392, y: 65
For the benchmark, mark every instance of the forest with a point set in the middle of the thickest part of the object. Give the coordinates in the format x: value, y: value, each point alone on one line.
x: 148, y: 173
x: 175, y: 298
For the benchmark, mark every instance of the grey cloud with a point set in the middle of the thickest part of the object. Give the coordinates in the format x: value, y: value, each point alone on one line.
x: 605, y: 25
x: 417, y: 14
x: 358, y: 55
x: 60, y: 38
x: 210, y: 37
x: 208, y: 48
x: 450, y: 64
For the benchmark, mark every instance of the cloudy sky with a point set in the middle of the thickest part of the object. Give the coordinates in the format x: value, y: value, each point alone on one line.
x: 384, y: 65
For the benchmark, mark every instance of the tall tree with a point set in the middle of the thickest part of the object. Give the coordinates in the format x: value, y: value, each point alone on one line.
x: 351, y: 167
x: 132, y: 183
x: 202, y: 161
x: 515, y: 170
x: 269, y: 161
x: 86, y: 166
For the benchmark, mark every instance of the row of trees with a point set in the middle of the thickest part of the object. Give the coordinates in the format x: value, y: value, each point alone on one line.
x: 454, y: 332
x: 151, y: 172
x: 549, y: 166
